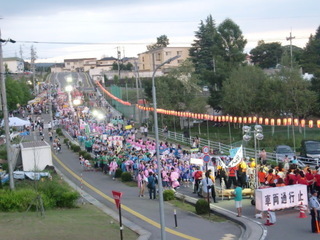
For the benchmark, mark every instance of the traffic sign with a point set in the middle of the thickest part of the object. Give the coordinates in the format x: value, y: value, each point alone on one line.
x: 206, y: 158
x: 117, y: 198
x: 205, y: 150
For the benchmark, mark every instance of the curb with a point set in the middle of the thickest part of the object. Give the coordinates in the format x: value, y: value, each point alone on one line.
x: 250, y: 229
x: 143, y: 234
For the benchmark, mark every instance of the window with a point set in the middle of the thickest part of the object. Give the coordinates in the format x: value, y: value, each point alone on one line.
x: 142, y: 59
x: 180, y: 61
x: 168, y: 53
x: 158, y: 57
x: 179, y: 53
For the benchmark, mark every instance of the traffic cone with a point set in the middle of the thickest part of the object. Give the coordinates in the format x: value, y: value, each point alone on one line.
x: 268, y: 223
x: 302, y: 211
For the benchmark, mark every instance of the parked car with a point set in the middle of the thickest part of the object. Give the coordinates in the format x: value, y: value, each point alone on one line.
x: 283, y: 150
x: 310, y: 149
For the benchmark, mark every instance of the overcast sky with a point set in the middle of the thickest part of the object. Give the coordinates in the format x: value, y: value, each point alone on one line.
x: 69, y: 28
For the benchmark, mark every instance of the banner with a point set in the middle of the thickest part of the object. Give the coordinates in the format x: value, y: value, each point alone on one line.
x: 274, y: 198
x: 233, y: 152
x: 237, y: 158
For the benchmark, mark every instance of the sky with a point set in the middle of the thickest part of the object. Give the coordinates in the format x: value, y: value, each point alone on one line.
x: 65, y: 29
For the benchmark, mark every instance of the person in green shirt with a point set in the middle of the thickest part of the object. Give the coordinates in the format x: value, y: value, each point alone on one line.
x: 238, y: 199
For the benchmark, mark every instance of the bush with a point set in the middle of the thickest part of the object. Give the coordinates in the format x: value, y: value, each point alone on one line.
x: 168, y: 195
x: 76, y: 148
x: 82, y: 152
x: 59, y: 131
x: 66, y: 140
x: 87, y: 156
x: 118, y: 173
x: 202, y: 206
x: 126, y: 177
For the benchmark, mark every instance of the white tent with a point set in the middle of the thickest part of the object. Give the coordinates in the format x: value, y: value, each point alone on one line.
x: 17, y: 122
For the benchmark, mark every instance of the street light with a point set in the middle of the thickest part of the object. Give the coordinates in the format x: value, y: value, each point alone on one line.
x: 5, y: 112
x: 257, y: 135
x: 154, y: 99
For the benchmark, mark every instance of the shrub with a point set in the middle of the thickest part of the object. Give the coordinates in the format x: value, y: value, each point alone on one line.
x: 76, y: 148
x: 82, y: 152
x: 66, y: 140
x: 118, y: 173
x: 72, y: 146
x: 87, y: 156
x: 202, y: 206
x: 59, y: 131
x: 168, y: 195
x: 126, y: 177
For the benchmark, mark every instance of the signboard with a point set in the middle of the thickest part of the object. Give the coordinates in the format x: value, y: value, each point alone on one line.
x: 206, y: 158
x: 196, y: 161
x: 117, y: 198
x: 281, y: 197
x: 128, y: 127
x: 205, y: 150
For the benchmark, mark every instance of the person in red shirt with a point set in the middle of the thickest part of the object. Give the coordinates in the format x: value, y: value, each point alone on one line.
x: 232, y: 177
x: 310, y: 179
x: 317, y: 180
x: 302, y: 179
x: 261, y: 176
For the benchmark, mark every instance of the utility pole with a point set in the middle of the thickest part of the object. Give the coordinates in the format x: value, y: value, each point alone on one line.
x: 5, y: 113
x: 290, y: 39
x: 33, y: 59
x: 118, y: 56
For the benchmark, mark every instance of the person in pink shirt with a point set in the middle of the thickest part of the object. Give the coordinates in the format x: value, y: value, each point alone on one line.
x: 113, y: 167
x: 141, y: 180
x: 174, y: 176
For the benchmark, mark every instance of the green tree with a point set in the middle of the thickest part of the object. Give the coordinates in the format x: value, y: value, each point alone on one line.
x: 242, y: 91
x: 162, y: 41
x: 267, y: 55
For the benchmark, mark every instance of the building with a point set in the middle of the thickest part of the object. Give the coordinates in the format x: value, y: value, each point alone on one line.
x: 148, y: 61
x: 79, y: 65
x: 14, y: 64
x: 57, y: 67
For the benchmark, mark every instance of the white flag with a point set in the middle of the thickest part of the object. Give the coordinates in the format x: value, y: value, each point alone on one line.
x: 237, y: 158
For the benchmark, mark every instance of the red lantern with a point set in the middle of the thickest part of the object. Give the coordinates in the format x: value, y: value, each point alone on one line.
x: 254, y: 120
x: 240, y: 120
x: 219, y: 119
x: 318, y: 123
x: 296, y: 122
x: 289, y: 121
x: 310, y: 123
x: 303, y: 123
x: 227, y: 118
x: 278, y: 122
x: 266, y: 121
x: 245, y: 120
x: 260, y: 120
x: 230, y: 119
x: 223, y: 118
x: 249, y: 120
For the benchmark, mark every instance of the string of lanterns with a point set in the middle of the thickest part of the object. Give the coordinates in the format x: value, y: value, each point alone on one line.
x: 232, y: 119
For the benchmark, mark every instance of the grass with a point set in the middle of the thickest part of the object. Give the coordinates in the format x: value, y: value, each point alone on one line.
x: 190, y: 208
x: 83, y: 223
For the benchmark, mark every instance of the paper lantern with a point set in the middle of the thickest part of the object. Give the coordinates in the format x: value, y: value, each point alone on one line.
x: 235, y: 119
x: 230, y: 119
x: 278, y: 122
x: 266, y: 121
x: 303, y: 123
x: 310, y: 123
x: 219, y: 118
x: 289, y: 121
x: 318, y: 123
x: 245, y: 120
x: 215, y: 118
x: 285, y: 121
x: 254, y: 120
x: 272, y: 121
x: 227, y: 118
x: 296, y: 122
x: 240, y: 120
x: 260, y: 120
x: 223, y: 118
x: 249, y: 120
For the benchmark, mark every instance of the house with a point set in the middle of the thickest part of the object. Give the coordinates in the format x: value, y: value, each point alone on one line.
x: 79, y: 65
x: 57, y: 67
x: 14, y: 64
x: 148, y: 61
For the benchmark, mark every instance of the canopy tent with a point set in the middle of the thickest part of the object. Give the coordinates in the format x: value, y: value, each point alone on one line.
x: 17, y: 122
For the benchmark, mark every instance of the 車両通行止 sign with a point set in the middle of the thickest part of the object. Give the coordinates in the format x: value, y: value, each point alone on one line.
x: 281, y: 197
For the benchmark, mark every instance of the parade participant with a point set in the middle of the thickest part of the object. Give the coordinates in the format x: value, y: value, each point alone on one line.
x: 174, y: 176
x: 232, y: 179
x: 315, y: 211
x: 141, y: 180
x: 222, y: 175
x: 213, y: 190
x: 206, y: 185
x: 238, y: 199
x: 317, y: 180
x: 263, y: 157
x: 197, y: 176
x: 113, y: 167
x: 270, y: 177
x: 261, y: 176
x: 310, y: 179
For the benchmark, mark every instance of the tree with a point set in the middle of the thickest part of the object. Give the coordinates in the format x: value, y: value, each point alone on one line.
x: 267, y: 55
x: 162, y: 41
x: 214, y: 53
x: 242, y: 91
